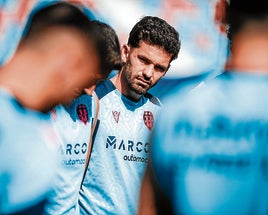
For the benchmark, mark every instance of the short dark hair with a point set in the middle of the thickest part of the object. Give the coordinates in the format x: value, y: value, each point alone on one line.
x: 108, y: 46
x: 63, y: 14
x: 240, y: 12
x: 56, y: 14
x: 155, y: 31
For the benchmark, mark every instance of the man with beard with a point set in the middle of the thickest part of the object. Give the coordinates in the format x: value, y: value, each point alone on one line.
x: 117, y: 152
x: 126, y: 118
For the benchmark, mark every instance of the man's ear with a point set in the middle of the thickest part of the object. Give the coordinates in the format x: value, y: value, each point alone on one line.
x: 125, y: 52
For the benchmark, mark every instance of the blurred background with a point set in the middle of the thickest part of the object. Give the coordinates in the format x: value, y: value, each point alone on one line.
x: 204, y: 46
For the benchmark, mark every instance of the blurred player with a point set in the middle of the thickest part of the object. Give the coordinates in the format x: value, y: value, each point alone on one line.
x: 64, y: 198
x: 56, y: 59
x: 209, y: 153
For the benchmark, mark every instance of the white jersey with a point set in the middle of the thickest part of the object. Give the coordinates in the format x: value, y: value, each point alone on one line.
x: 27, y: 155
x: 209, y: 151
x: 119, y: 154
x: 72, y: 123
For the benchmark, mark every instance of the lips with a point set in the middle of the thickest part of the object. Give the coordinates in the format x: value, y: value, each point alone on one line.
x: 144, y: 82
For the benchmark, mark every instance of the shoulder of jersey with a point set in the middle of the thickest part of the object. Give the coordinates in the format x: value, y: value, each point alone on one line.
x: 103, y: 88
x: 107, y: 86
x: 153, y: 99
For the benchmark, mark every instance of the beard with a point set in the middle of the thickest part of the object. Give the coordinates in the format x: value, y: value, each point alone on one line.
x: 137, y: 88
x: 137, y: 85
x: 134, y: 84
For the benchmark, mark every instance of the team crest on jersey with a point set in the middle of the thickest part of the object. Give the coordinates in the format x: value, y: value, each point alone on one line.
x: 82, y: 113
x: 148, y: 119
x: 116, y: 115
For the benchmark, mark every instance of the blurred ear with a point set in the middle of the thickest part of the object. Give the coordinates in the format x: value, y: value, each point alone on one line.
x: 125, y: 53
x: 220, y: 14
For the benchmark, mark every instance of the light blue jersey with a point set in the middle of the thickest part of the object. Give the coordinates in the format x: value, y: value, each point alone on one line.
x: 209, y: 151
x: 119, y: 154
x: 72, y: 123
x: 27, y: 155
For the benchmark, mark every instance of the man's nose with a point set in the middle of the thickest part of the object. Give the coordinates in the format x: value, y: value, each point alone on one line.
x: 148, y: 71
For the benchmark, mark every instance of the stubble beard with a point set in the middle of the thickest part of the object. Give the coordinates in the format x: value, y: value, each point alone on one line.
x: 134, y: 87
x: 135, y: 90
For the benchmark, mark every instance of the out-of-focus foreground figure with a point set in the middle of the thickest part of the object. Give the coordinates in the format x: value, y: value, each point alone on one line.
x: 56, y: 59
x: 63, y: 198
x: 209, y: 151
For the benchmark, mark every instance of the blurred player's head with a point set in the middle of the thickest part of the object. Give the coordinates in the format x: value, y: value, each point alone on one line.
x: 59, y: 55
x: 248, y: 32
x: 243, y: 13
x: 63, y: 35
x: 108, y: 47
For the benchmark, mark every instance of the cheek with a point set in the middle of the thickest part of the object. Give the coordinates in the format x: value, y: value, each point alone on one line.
x: 91, y: 75
x: 157, y: 77
x: 94, y: 78
x: 82, y: 81
x: 133, y: 71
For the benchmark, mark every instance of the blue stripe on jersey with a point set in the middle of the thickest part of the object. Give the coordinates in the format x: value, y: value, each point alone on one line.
x: 153, y: 99
x: 104, y: 88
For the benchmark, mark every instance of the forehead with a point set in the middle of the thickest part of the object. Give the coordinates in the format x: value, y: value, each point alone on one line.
x: 154, y: 53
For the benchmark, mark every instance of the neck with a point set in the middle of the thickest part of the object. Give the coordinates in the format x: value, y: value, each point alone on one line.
x: 123, y: 87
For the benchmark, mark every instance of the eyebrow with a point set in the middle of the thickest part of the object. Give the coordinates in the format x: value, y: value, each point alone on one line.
x: 149, y: 61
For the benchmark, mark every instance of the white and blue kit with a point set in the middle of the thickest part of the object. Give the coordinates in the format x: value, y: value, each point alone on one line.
x: 72, y: 123
x: 209, y: 149
x: 119, y: 153
x: 27, y: 155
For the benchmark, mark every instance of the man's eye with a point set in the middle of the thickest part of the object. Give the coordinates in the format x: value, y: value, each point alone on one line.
x: 142, y: 60
x: 160, y: 69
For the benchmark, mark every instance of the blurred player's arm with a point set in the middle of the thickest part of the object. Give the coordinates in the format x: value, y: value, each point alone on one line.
x: 146, y: 200
x: 153, y: 200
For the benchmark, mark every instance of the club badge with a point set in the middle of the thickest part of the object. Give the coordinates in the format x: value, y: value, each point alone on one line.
x: 116, y: 115
x: 82, y: 113
x: 148, y: 119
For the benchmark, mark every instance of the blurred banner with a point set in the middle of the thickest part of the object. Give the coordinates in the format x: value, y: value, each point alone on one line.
x: 203, y: 42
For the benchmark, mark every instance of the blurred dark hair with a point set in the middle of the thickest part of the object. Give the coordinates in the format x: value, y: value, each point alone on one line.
x: 108, y: 46
x: 64, y: 14
x: 155, y: 31
x: 240, y: 12
x: 56, y: 14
